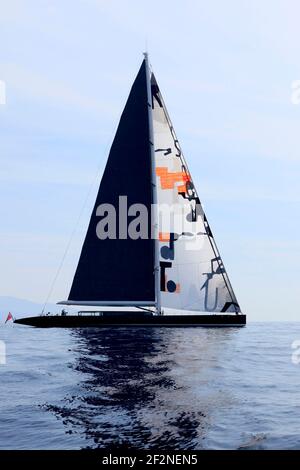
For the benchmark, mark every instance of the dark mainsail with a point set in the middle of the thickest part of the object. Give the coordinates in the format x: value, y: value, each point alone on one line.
x: 121, y: 270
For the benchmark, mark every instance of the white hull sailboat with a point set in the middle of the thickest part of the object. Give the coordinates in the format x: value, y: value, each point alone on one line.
x: 163, y: 255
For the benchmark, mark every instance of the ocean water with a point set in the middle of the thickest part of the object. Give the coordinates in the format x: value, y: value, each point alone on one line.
x: 187, y: 388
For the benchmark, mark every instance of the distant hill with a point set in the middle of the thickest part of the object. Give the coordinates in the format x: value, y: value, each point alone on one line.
x: 22, y: 307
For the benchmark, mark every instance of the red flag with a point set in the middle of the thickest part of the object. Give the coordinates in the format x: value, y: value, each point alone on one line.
x: 9, y: 317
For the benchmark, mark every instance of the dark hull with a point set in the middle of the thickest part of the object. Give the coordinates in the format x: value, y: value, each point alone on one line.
x: 133, y: 319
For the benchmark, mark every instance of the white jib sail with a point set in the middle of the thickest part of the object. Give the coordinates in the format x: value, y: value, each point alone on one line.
x: 193, y: 276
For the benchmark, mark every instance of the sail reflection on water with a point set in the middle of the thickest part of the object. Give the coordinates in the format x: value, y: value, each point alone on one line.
x: 144, y: 388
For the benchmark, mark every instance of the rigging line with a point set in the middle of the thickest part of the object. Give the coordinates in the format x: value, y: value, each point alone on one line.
x: 76, y: 225
x: 70, y: 240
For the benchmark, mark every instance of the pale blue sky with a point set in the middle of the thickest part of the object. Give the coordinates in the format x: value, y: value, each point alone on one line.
x: 225, y: 69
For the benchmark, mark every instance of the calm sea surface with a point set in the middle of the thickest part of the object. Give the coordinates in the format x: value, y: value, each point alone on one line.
x: 182, y: 388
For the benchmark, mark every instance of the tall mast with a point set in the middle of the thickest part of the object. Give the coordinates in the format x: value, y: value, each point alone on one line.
x: 154, y: 212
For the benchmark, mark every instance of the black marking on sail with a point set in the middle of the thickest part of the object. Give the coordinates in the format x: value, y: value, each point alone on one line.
x: 171, y: 286
x: 166, y: 151
x: 207, y: 227
x: 167, y: 252
x: 117, y: 269
x: 163, y: 266
x: 227, y: 305
x: 155, y: 92
x: 206, y: 285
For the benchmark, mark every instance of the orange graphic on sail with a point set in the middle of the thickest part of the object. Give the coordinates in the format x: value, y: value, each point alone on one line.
x: 164, y: 237
x: 168, y: 179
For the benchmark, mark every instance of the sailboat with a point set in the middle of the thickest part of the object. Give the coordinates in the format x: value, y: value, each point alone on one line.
x: 139, y: 266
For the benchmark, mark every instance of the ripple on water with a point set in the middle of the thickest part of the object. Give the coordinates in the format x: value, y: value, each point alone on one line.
x: 181, y: 388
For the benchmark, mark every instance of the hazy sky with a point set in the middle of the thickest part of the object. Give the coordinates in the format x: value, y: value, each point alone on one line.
x: 225, y: 70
